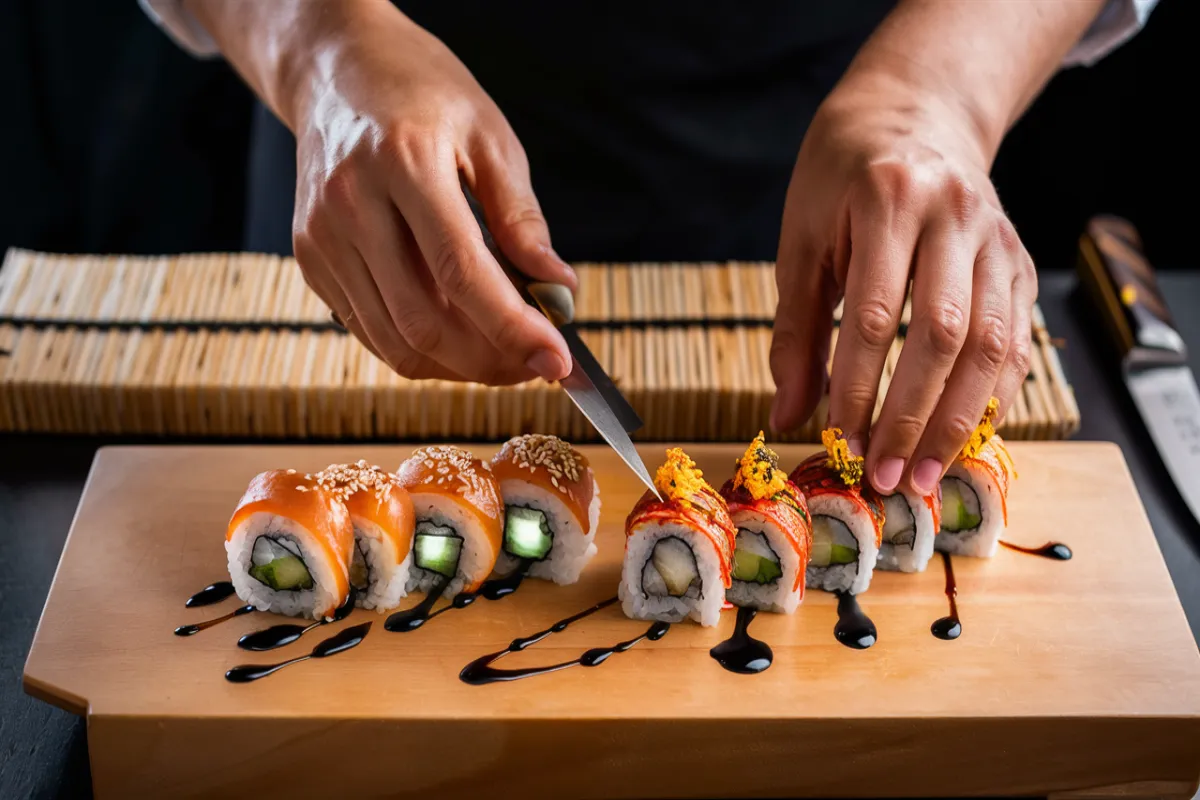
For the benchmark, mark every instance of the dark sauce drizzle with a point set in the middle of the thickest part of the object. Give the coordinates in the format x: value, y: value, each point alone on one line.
x: 495, y: 589
x: 1055, y: 550
x: 280, y: 635
x: 480, y: 671
x: 188, y: 630
x: 854, y: 628
x: 741, y: 652
x: 948, y: 627
x: 210, y: 595
x: 338, y: 643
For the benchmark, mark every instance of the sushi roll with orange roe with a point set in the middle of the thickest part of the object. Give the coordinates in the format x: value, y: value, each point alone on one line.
x: 551, y: 507
x: 458, y: 511
x: 975, y: 493
x: 678, y: 550
x: 382, y: 514
x: 773, y: 533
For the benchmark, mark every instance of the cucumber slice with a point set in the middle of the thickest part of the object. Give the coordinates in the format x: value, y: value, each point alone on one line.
x: 833, y: 543
x: 283, y: 574
x: 753, y: 558
x: 768, y: 571
x: 437, y: 549
x: 960, y: 506
x: 527, y: 533
x: 745, y: 565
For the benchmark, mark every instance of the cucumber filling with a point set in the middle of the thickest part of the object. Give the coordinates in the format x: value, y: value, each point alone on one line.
x: 960, y: 506
x: 753, y: 559
x: 276, y: 563
x: 832, y: 543
x: 671, y: 570
x: 527, y: 533
x: 437, y: 548
x: 360, y: 568
x: 899, y: 526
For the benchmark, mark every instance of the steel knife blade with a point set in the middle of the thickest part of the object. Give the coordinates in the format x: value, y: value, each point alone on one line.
x: 1154, y: 358
x: 588, y: 385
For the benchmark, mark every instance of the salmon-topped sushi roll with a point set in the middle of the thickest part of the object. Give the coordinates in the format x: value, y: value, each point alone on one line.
x: 289, y: 546
x: 551, y: 507
x: 382, y: 514
x: 458, y: 511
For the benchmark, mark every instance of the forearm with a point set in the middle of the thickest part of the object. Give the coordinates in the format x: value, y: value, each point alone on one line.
x: 988, y: 59
x: 274, y: 44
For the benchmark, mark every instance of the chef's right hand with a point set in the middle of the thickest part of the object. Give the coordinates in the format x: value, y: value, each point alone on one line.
x: 385, y: 118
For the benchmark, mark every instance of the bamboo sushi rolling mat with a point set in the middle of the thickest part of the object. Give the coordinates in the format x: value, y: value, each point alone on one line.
x: 236, y: 345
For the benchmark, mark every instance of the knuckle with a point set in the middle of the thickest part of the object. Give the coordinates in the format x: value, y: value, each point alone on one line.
x: 405, y: 362
x: 422, y: 332
x: 454, y: 271
x: 905, y: 430
x: 858, y: 396
x: 991, y: 341
x: 1006, y: 234
x: 508, y: 335
x: 958, y: 428
x: 408, y: 145
x: 891, y: 183
x: 945, y: 329
x: 962, y: 199
x: 875, y: 323
x: 1019, y: 356
x: 341, y: 192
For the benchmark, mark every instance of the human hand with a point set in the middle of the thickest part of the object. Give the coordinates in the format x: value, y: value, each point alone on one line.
x: 386, y: 117
x: 890, y: 185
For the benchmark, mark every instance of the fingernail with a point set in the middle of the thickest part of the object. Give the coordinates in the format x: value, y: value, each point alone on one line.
x: 887, y: 474
x: 547, y: 364
x: 926, y: 475
x: 857, y: 446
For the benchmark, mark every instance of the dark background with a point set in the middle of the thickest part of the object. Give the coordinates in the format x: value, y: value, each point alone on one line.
x: 115, y: 140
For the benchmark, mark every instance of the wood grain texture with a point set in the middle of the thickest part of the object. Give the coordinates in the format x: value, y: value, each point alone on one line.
x: 1070, y: 677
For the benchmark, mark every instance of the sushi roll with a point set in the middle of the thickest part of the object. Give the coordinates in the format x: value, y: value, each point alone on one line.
x: 773, y: 533
x: 382, y: 514
x: 975, y: 493
x: 847, y: 517
x: 678, y: 550
x: 288, y: 546
x: 551, y: 507
x: 458, y: 512
x: 910, y: 523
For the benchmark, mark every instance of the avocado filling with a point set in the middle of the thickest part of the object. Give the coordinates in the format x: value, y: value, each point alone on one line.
x: 960, y: 506
x: 527, y: 533
x: 899, y: 526
x: 753, y: 559
x: 437, y: 548
x: 832, y: 543
x: 276, y: 563
x: 360, y: 570
x: 671, y: 570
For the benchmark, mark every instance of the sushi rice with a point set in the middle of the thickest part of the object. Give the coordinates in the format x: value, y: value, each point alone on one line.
x: 295, y: 538
x: 643, y: 591
x: 908, y: 517
x: 475, y: 560
x: 854, y: 577
x: 388, y: 574
x: 762, y: 536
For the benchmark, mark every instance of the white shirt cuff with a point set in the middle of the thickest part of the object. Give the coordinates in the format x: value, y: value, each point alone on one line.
x: 181, y: 26
x: 1118, y: 22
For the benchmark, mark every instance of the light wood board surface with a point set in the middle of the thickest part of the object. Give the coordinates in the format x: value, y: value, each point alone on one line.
x: 1075, y: 678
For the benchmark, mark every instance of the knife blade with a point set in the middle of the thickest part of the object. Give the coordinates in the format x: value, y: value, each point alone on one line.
x: 588, y: 385
x: 1154, y: 358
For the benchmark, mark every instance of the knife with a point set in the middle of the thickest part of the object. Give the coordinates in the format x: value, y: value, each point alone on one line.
x: 1154, y: 359
x: 588, y: 385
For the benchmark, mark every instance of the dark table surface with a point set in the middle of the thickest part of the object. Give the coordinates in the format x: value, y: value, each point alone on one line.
x: 43, y: 751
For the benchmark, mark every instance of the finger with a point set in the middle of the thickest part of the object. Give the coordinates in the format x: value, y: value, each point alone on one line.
x: 424, y: 319
x: 975, y: 373
x: 452, y: 246
x: 941, y: 300
x: 1016, y: 365
x: 320, y: 279
x: 501, y: 182
x: 882, y: 242
x: 800, y: 339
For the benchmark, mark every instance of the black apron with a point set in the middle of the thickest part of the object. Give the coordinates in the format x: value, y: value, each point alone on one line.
x: 657, y: 130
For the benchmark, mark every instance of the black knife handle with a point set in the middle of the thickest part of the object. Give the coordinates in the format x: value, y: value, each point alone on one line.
x: 1114, y: 267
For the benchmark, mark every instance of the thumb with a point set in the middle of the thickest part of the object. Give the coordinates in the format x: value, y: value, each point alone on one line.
x: 800, y: 342
x: 515, y: 218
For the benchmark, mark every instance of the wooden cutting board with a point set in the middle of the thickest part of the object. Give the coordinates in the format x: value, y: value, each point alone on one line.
x: 1074, y: 679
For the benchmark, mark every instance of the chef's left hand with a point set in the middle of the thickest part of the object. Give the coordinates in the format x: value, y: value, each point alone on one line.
x: 892, y: 185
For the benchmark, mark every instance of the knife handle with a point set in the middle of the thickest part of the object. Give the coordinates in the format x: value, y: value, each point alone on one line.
x: 553, y: 299
x: 1113, y: 265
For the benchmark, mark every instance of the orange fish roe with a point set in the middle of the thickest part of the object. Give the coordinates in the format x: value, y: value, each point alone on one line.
x: 758, y: 471
x: 840, y: 459
x: 984, y: 431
